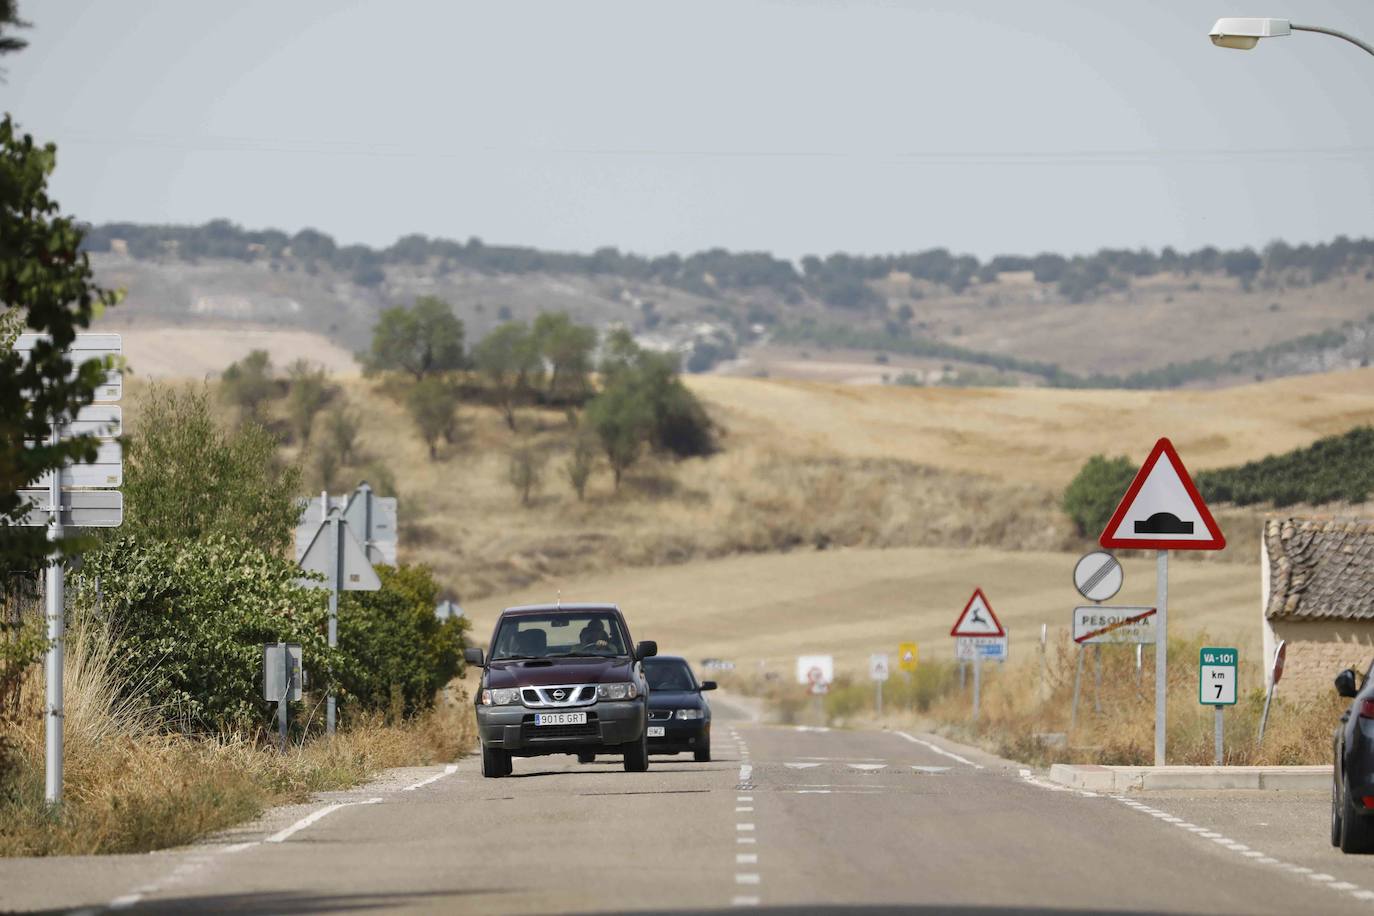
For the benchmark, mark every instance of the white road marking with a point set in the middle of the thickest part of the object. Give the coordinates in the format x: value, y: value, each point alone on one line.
x: 282, y: 836
x: 1343, y: 886
x: 744, y: 798
x: 939, y: 750
x: 746, y: 858
x: 921, y: 769
x: 1362, y: 895
x: 1322, y: 877
x: 448, y: 771
x: 745, y: 771
x: 744, y: 901
x: 813, y: 791
x: 123, y: 903
x: 744, y: 828
x: 746, y: 840
x: 868, y: 767
x: 238, y: 847
x: 810, y: 728
x: 746, y: 878
x: 800, y: 766
x: 742, y: 808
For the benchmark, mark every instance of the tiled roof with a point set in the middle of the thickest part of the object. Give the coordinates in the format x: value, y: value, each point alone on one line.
x: 1320, y: 568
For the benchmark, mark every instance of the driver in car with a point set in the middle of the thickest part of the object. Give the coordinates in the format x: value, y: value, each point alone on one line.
x: 594, y: 636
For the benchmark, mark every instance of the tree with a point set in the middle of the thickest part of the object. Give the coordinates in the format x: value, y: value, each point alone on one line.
x: 508, y: 357
x: 567, y: 348
x: 679, y: 423
x: 188, y: 478
x: 622, y: 419
x: 9, y: 21
x: 1092, y: 496
x: 341, y: 426
x: 248, y: 383
x: 423, y: 340
x: 308, y: 393
x: 526, y: 471
x: 46, y: 277
x: 433, y: 405
x: 580, y: 464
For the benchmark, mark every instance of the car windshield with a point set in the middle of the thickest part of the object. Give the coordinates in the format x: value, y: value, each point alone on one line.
x: 669, y: 675
x: 560, y: 634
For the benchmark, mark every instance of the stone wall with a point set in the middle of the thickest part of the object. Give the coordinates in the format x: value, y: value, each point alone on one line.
x: 1317, y: 651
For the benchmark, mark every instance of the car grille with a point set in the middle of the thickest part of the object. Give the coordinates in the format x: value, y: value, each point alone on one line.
x: 572, y: 695
x: 659, y: 715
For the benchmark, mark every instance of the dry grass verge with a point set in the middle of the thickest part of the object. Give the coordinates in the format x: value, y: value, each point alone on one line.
x: 129, y: 788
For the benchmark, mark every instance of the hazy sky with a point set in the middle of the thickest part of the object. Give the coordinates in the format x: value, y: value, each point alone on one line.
x: 982, y: 125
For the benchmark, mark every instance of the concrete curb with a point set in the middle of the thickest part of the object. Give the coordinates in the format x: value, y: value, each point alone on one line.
x: 1096, y: 778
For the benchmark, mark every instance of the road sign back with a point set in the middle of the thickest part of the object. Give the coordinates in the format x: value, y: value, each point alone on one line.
x: 354, y: 571
x: 977, y: 618
x: 1163, y: 510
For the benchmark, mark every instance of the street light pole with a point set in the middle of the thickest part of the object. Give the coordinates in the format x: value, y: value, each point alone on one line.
x: 1244, y: 33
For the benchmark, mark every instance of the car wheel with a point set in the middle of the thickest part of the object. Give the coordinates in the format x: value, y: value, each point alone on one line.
x: 637, y: 756
x: 1357, y: 833
x: 495, y: 762
x: 1335, y: 809
x: 703, y: 751
x: 586, y: 757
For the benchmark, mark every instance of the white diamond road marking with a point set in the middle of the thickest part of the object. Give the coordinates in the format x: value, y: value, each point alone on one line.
x: 868, y: 767
x: 921, y: 769
x: 801, y: 766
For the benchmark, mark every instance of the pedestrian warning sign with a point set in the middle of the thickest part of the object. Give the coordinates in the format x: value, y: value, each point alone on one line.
x: 1162, y: 509
x: 977, y: 618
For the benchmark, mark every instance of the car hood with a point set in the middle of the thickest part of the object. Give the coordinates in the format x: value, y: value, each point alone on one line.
x: 675, y: 699
x: 539, y: 672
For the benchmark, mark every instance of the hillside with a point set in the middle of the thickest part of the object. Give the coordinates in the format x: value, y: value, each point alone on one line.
x: 1113, y: 319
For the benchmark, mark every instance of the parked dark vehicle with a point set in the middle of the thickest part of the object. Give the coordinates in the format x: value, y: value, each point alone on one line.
x: 679, y: 716
x: 1352, y: 773
x: 562, y: 679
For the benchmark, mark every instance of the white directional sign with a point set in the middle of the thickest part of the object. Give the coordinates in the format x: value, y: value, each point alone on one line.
x: 977, y: 618
x: 107, y: 470
x: 446, y: 609
x: 80, y: 508
x: 1106, y: 624
x: 877, y: 666
x: 355, y: 572
x: 1098, y: 576
x: 87, y: 347
x: 1162, y: 509
x: 992, y: 648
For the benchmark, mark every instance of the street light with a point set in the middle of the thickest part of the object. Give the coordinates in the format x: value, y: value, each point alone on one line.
x: 1244, y: 34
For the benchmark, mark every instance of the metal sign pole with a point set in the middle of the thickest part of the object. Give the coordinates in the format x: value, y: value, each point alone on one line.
x: 1161, y: 650
x: 977, y: 681
x: 57, y: 626
x: 880, y: 697
x: 1219, y: 742
x: 1077, y: 680
x: 1097, y: 686
x: 335, y: 564
x: 282, y: 712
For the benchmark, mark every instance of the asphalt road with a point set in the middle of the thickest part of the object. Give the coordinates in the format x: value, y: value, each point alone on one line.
x: 785, y: 819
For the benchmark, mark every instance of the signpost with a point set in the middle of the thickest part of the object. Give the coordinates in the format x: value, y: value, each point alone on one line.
x: 877, y: 671
x: 282, y: 680
x: 335, y: 552
x: 908, y: 657
x: 1216, y: 684
x: 1162, y: 511
x: 447, y: 609
x: 1098, y: 576
x: 1275, y: 672
x: 55, y: 504
x: 980, y: 635
x: 372, y: 518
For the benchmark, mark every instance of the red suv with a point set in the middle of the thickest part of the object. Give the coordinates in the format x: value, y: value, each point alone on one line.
x: 562, y: 679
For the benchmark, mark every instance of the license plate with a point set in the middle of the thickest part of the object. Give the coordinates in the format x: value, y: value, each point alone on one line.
x: 560, y: 718
x: 655, y: 731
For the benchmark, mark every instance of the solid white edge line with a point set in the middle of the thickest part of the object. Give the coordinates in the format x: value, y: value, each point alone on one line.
x: 282, y: 836
x: 939, y: 750
x: 448, y: 771
x: 123, y: 903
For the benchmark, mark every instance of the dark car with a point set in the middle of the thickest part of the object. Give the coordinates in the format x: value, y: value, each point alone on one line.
x: 679, y: 716
x: 1352, y: 775
x: 562, y: 679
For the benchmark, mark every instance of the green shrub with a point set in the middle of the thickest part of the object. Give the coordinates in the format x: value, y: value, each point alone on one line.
x: 1092, y: 496
x: 392, y: 646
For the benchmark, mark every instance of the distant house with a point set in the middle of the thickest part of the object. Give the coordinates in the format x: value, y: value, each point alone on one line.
x: 1318, y: 592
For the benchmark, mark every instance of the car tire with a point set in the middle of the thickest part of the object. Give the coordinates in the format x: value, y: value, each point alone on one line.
x: 495, y: 762
x: 637, y: 756
x: 1357, y: 832
x: 586, y: 757
x: 1335, y: 809
x: 702, y: 752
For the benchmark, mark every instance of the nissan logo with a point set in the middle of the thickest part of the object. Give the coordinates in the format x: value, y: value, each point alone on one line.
x: 559, y: 694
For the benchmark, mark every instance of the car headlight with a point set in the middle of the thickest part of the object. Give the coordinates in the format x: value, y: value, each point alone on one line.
x: 626, y: 691
x: 501, y: 696
x: 691, y: 714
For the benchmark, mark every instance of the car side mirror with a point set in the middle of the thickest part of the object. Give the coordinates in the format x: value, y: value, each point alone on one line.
x: 708, y: 685
x: 1345, y: 683
x: 647, y: 649
x: 474, y: 657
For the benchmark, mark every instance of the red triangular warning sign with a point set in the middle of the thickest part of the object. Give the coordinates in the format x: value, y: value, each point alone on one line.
x: 1162, y: 509
x: 978, y: 618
